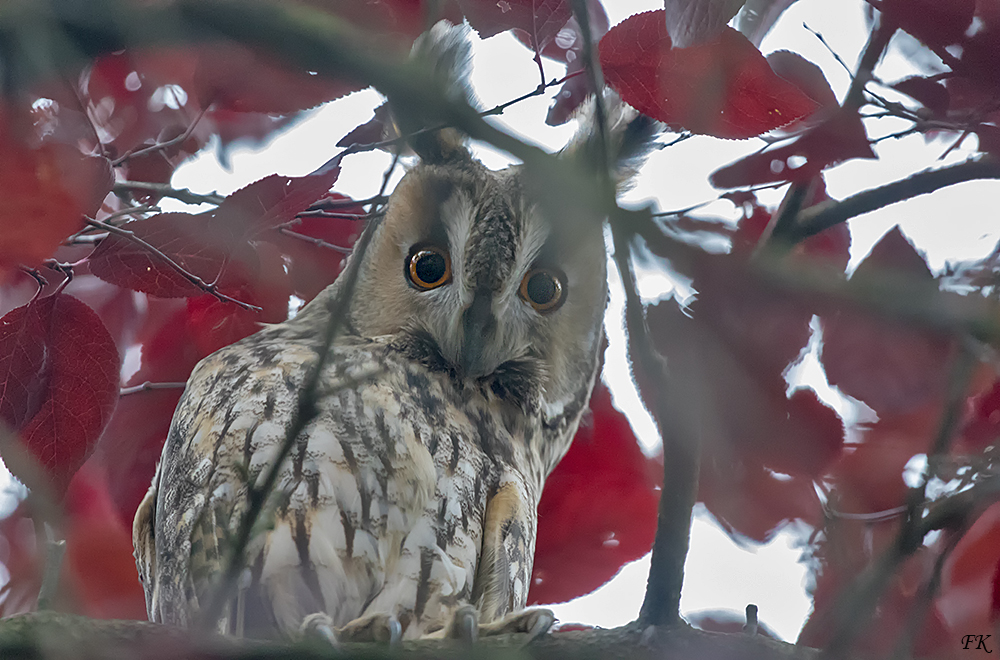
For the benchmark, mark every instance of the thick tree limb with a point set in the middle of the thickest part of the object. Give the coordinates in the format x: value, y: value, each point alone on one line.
x: 52, y: 636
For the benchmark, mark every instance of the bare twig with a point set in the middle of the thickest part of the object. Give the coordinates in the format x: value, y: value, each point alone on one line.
x: 538, y: 91
x: 183, y: 272
x: 134, y: 153
x: 318, y: 242
x: 165, y: 190
x: 149, y: 387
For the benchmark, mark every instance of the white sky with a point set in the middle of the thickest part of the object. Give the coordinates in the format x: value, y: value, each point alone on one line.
x: 951, y: 224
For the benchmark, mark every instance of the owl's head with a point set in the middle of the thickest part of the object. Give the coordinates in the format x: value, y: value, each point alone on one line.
x: 468, y: 272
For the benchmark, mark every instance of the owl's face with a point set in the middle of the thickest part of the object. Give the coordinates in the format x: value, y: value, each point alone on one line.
x: 467, y: 271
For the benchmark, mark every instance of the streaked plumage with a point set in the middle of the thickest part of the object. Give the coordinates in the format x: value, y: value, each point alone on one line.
x: 414, y: 491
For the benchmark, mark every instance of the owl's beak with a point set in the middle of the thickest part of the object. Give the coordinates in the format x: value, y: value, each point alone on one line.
x: 478, y: 325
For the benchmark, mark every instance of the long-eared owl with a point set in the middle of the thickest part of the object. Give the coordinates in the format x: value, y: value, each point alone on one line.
x: 465, y: 361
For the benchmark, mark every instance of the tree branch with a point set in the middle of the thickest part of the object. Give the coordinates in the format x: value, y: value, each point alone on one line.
x: 823, y: 216
x: 52, y: 636
x: 681, y: 453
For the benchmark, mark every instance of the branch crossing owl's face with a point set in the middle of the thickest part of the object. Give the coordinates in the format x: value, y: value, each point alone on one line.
x: 466, y: 265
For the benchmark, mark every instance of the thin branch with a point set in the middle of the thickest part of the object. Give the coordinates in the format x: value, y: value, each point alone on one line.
x: 149, y: 387
x: 183, y: 272
x: 837, y: 57
x: 165, y: 190
x: 822, y: 216
x: 318, y: 242
x: 538, y: 91
x: 305, y: 411
x: 879, y: 38
x: 681, y: 454
x: 162, y: 145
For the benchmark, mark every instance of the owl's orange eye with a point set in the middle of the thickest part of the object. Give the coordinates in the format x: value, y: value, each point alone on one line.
x: 543, y: 289
x: 428, y: 268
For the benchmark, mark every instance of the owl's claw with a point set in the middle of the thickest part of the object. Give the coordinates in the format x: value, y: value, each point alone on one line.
x: 465, y: 625
x: 380, y: 628
x: 533, y: 622
x: 319, y: 626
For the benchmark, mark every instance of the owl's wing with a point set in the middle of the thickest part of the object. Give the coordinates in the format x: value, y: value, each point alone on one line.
x: 502, y: 579
x: 144, y: 545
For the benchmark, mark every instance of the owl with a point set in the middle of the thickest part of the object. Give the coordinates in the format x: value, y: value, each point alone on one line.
x: 407, y: 504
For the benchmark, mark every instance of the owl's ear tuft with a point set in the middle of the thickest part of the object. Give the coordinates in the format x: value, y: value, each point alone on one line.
x: 446, y: 53
x: 631, y: 137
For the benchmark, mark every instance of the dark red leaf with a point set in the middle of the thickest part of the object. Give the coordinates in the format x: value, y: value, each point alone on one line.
x: 892, y: 367
x: 376, y: 129
x: 132, y: 443
x: 275, y: 199
x: 803, y: 74
x: 567, y: 45
x: 237, y: 78
x: 932, y: 94
x: 969, y: 578
x: 59, y: 369
x: 838, y: 138
x: 932, y: 22
x: 314, y: 267
x: 98, y: 577
x: 723, y: 88
x: 598, y: 509
x: 541, y: 19
x: 982, y: 420
x: 204, y: 246
x: 44, y: 193
x: 573, y: 92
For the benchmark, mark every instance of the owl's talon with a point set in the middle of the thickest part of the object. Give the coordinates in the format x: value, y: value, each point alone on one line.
x: 464, y: 625
x: 543, y: 621
x: 319, y: 625
x: 395, y: 631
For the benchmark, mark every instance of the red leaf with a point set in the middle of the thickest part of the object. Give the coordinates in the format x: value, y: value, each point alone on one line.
x: 838, y: 138
x: 567, y: 45
x: 132, y: 443
x: 803, y: 74
x: 693, y: 22
x: 237, y: 78
x: 312, y: 267
x: 933, y: 22
x: 59, y: 369
x: 969, y: 576
x: 723, y: 88
x: 275, y: 199
x: 931, y: 93
x: 891, y: 366
x: 44, y: 193
x: 206, y: 247
x: 98, y: 575
x: 982, y: 423
x: 598, y: 509
x: 541, y: 19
